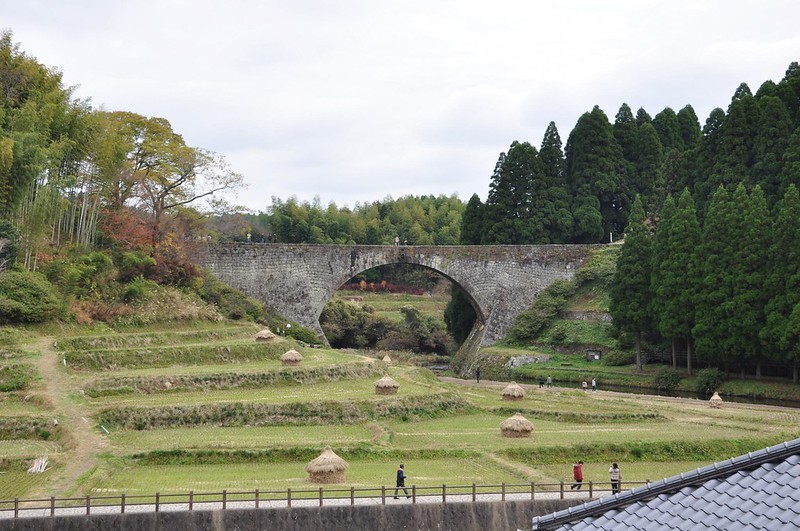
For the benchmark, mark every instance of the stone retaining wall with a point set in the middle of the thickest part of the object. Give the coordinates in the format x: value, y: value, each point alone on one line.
x: 478, y: 516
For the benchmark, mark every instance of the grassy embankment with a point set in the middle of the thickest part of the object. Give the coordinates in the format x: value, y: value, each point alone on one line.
x: 203, y: 407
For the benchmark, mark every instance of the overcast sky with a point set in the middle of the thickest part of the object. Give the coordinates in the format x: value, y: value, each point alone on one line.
x: 357, y: 100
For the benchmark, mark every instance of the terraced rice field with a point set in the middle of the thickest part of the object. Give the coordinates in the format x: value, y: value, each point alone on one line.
x: 160, y: 411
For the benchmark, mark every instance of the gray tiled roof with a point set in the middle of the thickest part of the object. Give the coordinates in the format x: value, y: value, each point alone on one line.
x: 759, y: 490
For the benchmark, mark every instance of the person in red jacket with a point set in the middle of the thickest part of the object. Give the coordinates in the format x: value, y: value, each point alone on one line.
x: 577, y: 475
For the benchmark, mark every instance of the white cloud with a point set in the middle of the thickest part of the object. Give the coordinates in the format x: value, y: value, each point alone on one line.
x: 355, y: 100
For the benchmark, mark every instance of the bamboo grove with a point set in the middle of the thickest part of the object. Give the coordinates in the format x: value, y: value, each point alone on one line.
x: 70, y: 173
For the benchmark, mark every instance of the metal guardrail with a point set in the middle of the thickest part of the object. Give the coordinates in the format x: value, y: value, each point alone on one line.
x: 285, y: 498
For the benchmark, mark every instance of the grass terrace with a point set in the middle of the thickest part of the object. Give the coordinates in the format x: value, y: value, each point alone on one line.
x: 204, y: 407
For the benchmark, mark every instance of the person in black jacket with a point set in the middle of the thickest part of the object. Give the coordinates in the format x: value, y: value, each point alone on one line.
x: 401, y: 481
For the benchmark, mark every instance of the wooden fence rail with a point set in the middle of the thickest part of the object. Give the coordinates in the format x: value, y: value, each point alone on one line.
x: 286, y: 498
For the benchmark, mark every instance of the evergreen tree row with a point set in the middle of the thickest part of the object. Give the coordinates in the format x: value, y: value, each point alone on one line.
x: 584, y: 193
x: 724, y: 291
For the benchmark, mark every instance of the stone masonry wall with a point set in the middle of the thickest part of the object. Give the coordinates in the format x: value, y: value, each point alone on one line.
x: 297, y: 280
x: 478, y: 516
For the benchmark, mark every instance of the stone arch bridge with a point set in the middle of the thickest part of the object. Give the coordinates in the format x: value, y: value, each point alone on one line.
x: 501, y: 281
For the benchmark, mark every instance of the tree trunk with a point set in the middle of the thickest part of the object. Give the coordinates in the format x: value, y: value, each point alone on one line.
x: 674, y: 356
x: 758, y: 370
x: 689, y: 356
x: 638, y: 351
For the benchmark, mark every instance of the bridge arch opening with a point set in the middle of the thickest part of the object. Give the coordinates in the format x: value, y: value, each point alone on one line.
x: 393, y: 301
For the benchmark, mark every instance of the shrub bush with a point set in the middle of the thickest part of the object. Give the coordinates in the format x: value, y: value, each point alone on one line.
x: 138, y: 289
x: 231, y: 302
x: 27, y: 297
x: 666, y: 379
x: 304, y: 334
x: 136, y: 264
x: 618, y: 358
x: 709, y: 380
x: 532, y: 322
x: 15, y: 377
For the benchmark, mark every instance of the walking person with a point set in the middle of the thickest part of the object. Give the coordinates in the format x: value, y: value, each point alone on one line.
x: 541, y: 382
x: 615, y: 475
x: 549, y: 381
x: 584, y: 386
x: 594, y: 385
x: 577, y: 475
x: 401, y: 481
x: 478, y: 375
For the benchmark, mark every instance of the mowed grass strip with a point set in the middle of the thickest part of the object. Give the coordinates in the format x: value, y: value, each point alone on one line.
x: 26, y: 448
x: 148, y: 479
x: 17, y: 483
x: 231, y: 380
x: 556, y: 400
x: 482, y: 431
x: 150, y: 339
x: 245, y: 437
x: 281, y: 413
x: 166, y: 356
x: 312, y: 358
x: 13, y: 405
x: 357, y: 389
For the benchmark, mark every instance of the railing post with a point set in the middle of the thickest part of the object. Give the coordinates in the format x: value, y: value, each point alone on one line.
x: 562, y: 490
x: 256, y: 498
x: 224, y: 499
x: 158, y: 501
x: 533, y: 490
x: 88, y: 504
x: 289, y: 497
x: 444, y: 493
x: 122, y: 503
x: 383, y: 494
x: 352, y: 495
x: 503, y: 491
x: 191, y: 500
x: 474, y: 493
x: 320, y: 496
x: 52, y: 506
x: 590, y: 489
x: 16, y: 507
x: 413, y: 494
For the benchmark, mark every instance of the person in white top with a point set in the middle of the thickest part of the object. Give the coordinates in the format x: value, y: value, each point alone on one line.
x: 615, y: 474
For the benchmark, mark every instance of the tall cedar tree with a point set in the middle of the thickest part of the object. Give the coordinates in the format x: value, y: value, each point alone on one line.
x: 647, y: 161
x: 715, y: 308
x: 625, y: 128
x: 596, y: 178
x: 660, y: 256
x: 558, y: 219
x: 630, y: 293
x: 734, y: 155
x: 511, y: 217
x: 772, y: 139
x: 472, y: 224
x: 689, y: 127
x: 680, y: 280
x: 782, y: 283
x: 705, y: 158
x: 669, y: 130
x: 749, y: 293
